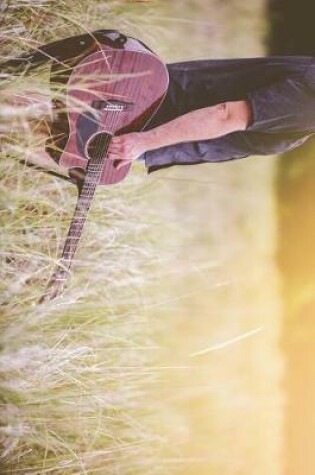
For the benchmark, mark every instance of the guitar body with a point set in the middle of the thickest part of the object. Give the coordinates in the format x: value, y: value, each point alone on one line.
x: 110, y: 92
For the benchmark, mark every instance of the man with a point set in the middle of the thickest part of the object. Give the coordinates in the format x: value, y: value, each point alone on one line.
x: 218, y: 110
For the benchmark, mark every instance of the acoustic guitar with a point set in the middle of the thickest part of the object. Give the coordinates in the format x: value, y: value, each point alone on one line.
x: 109, y: 92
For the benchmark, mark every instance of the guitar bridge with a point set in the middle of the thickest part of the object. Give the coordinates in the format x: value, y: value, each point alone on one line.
x: 112, y: 105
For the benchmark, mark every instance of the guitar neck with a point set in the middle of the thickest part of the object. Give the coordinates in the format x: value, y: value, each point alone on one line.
x: 78, y: 220
x: 91, y: 180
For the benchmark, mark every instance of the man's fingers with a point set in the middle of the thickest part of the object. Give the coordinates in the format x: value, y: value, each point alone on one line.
x: 115, y: 151
x: 124, y: 149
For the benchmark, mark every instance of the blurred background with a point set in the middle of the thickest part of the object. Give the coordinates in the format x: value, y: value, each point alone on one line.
x: 291, y: 32
x: 220, y: 284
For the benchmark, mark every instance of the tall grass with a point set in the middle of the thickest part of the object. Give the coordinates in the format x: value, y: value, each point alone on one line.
x: 76, y: 372
x: 94, y: 382
x: 73, y: 369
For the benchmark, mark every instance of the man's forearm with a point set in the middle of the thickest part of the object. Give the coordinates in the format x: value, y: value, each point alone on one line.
x: 201, y: 124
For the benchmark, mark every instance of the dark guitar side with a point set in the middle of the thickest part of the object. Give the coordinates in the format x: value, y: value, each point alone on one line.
x: 135, y: 78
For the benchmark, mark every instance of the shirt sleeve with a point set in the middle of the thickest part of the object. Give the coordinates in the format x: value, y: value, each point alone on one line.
x: 283, y: 107
x: 228, y: 147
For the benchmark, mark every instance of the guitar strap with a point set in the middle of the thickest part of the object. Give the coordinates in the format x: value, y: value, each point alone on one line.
x: 63, y: 56
x: 62, y: 50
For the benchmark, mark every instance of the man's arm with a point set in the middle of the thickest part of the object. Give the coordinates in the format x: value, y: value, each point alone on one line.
x: 201, y: 124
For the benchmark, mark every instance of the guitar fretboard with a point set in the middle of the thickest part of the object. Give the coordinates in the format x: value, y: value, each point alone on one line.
x: 91, y: 180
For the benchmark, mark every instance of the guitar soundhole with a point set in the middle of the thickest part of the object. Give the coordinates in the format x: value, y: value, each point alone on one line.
x: 98, y: 145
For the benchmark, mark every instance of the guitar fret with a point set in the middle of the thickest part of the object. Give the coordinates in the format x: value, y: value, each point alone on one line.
x: 84, y: 205
x: 90, y: 181
x: 82, y: 208
x: 85, y: 195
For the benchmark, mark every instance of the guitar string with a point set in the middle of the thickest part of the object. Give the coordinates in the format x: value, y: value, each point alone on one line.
x: 107, y: 166
x: 111, y: 169
x: 90, y: 187
x: 110, y: 166
x: 102, y: 148
x: 74, y: 233
x: 119, y: 67
x: 105, y: 145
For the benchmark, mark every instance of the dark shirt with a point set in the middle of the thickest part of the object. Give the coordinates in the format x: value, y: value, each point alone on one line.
x: 281, y: 91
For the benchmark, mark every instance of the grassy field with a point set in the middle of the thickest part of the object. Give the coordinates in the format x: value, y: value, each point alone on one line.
x: 162, y: 355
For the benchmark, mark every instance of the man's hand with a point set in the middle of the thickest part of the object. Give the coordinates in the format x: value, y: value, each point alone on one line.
x: 127, y: 148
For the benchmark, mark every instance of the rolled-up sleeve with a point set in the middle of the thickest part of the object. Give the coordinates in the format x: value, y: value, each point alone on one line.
x: 285, y: 106
x: 224, y: 148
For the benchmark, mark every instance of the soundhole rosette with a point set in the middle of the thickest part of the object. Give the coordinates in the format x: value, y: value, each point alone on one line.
x: 97, y: 145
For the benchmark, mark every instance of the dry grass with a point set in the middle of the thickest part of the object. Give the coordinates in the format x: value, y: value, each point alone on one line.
x: 102, y: 380
x: 75, y: 372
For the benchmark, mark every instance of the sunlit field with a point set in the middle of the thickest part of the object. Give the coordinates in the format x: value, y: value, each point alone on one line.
x: 161, y: 356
